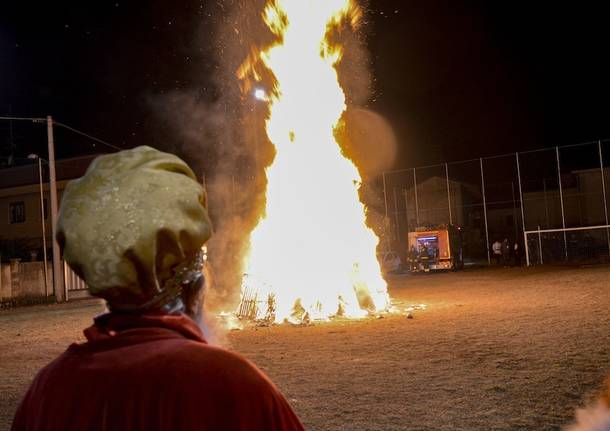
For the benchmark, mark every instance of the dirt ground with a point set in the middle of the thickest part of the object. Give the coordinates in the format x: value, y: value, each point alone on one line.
x: 495, y: 349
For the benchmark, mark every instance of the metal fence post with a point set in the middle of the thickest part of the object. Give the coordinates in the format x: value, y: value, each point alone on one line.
x: 396, y: 214
x: 485, y: 212
x: 385, y: 220
x: 527, y: 251
x: 448, y: 193
x: 601, y: 168
x: 563, y: 216
x: 546, y: 205
x: 540, y: 258
x: 406, y: 209
x: 515, y: 218
x: 416, y: 198
x: 522, y: 205
x: 385, y: 195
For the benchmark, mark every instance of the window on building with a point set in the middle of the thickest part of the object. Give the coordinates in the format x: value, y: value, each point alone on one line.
x: 16, y: 212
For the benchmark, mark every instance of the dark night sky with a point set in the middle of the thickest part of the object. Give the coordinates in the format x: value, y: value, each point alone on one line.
x: 455, y: 81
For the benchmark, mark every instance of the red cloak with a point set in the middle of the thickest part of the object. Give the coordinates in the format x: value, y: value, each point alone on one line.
x: 151, y: 372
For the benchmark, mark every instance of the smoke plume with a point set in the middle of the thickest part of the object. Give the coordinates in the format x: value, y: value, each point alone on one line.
x: 219, y: 128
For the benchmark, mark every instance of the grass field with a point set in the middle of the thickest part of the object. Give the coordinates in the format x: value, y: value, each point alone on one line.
x: 495, y: 349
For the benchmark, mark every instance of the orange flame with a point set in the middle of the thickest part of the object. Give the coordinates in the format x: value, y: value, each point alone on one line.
x: 311, y: 249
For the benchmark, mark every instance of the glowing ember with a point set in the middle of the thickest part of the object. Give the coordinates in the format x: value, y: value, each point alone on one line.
x: 312, y: 254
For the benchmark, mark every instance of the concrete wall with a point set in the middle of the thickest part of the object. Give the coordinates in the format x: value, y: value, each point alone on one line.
x: 31, y: 280
x: 5, y: 282
x: 19, y: 279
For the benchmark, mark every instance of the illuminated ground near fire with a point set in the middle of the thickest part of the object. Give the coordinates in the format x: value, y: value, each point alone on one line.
x: 496, y: 349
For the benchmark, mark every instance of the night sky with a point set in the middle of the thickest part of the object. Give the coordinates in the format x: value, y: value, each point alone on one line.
x: 455, y: 81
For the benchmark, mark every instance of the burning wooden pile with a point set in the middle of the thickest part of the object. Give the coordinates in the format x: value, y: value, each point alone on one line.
x: 312, y: 255
x: 255, y: 309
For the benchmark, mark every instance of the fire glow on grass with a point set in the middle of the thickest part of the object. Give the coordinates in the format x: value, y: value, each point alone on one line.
x: 311, y: 250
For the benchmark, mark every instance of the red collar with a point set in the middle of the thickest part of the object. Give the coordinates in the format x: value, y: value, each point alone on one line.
x: 109, y: 324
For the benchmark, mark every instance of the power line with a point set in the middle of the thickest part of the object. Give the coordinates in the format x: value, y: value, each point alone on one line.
x: 87, y: 135
x: 65, y: 126
x: 33, y: 120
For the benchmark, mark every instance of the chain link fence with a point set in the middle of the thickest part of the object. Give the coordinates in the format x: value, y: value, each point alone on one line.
x: 552, y: 204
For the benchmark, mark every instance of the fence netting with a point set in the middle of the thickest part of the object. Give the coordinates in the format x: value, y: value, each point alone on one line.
x: 582, y: 246
x: 504, y: 197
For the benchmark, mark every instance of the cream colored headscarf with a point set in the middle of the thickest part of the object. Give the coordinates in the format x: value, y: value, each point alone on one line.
x: 127, y: 224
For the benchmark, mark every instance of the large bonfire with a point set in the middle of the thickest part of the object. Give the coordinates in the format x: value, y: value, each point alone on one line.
x: 312, y: 255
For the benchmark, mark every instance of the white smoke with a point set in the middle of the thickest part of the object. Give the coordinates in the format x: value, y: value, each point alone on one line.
x: 221, y: 130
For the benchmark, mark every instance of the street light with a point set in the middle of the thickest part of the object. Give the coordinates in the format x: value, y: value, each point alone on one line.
x: 42, y: 221
x: 260, y: 94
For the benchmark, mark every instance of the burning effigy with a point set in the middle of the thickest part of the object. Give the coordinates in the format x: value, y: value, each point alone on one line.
x: 312, y: 255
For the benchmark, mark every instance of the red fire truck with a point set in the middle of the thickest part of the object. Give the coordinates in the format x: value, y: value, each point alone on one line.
x: 435, y: 248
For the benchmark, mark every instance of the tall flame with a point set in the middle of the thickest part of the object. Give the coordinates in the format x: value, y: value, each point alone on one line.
x: 312, y: 249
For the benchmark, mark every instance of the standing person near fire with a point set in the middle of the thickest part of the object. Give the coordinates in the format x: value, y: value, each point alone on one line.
x: 496, y: 247
x: 413, y: 258
x: 133, y: 227
x: 517, y: 253
x: 424, y: 256
x: 506, y: 252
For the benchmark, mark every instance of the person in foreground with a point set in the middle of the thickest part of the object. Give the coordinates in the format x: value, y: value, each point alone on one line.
x: 133, y: 228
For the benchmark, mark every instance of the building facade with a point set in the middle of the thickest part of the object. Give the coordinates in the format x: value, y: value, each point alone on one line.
x: 23, y: 215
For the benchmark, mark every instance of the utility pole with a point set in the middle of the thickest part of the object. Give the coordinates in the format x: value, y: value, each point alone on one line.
x: 58, y: 279
x: 59, y: 286
x: 44, y: 233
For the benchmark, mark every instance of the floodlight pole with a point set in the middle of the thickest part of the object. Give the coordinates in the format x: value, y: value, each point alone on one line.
x: 563, y: 215
x: 601, y: 169
x: 522, y: 205
x: 485, y: 211
x: 58, y: 282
